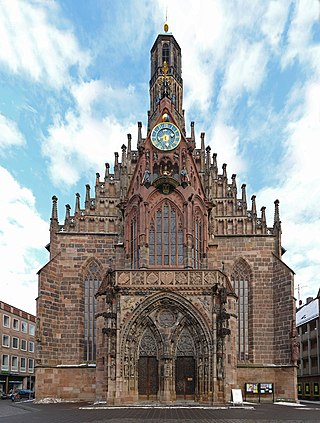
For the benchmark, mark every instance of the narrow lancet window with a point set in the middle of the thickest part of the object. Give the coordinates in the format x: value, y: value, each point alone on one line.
x: 91, y: 285
x: 240, y: 283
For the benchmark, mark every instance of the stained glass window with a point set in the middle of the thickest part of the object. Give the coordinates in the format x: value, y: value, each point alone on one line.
x: 166, y: 237
x: 91, y: 285
x: 240, y: 282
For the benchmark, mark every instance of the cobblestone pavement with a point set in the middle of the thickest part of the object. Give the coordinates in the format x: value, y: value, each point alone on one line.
x: 29, y: 412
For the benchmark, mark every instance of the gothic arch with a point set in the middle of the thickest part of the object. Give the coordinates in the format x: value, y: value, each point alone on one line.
x: 176, y: 328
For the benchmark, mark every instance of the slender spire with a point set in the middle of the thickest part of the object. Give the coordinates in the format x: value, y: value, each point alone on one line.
x: 208, y: 159
x: 139, y: 144
x: 54, y: 213
x: 67, y: 218
x: 97, y: 179
x: 129, y: 143
x: 253, y: 207
x: 107, y: 173
x: 77, y: 206
x: 124, y: 155
x: 87, y: 202
x: 263, y: 217
x: 276, y: 223
x: 192, y: 138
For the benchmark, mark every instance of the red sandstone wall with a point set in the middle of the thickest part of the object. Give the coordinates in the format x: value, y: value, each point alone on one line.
x: 69, y: 384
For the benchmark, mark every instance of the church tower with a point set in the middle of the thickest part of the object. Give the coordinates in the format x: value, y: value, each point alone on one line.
x: 166, y: 285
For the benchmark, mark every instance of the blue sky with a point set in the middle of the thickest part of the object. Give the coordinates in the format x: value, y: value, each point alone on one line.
x: 74, y: 79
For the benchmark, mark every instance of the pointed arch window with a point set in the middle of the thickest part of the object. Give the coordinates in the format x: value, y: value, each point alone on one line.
x: 165, y: 53
x: 166, y: 237
x: 198, y: 241
x: 240, y: 282
x: 134, y: 251
x: 91, y: 285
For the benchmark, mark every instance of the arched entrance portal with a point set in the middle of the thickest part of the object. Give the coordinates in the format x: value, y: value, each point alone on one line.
x: 167, y: 345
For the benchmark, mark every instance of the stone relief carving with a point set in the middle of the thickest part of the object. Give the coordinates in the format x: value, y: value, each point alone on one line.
x: 166, y: 318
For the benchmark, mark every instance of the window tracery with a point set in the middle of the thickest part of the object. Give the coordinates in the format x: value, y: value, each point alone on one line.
x: 92, y: 279
x: 166, y: 237
x: 240, y: 279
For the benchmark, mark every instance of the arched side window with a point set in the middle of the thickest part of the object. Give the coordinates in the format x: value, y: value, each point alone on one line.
x: 134, y: 251
x: 166, y: 237
x: 91, y: 284
x: 198, y: 242
x: 240, y: 279
x: 165, y: 53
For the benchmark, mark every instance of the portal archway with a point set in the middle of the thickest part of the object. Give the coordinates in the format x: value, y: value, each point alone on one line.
x: 167, y: 344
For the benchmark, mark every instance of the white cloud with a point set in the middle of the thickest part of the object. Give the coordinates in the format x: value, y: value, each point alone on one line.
x: 33, y: 44
x: 245, y: 72
x: 225, y: 141
x: 81, y: 141
x: 9, y: 134
x: 23, y: 235
x: 300, y: 34
x: 273, y: 24
x: 299, y: 192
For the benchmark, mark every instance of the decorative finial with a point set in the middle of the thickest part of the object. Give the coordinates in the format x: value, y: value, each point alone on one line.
x: 166, y: 26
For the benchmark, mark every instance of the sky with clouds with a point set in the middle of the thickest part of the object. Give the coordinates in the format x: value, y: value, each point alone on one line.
x: 74, y: 79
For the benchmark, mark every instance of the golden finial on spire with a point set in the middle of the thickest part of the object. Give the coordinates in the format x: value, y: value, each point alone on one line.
x: 166, y: 26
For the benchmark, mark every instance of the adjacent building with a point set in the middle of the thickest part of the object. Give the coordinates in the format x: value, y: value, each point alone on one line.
x: 17, y: 348
x: 308, y: 322
x: 166, y: 283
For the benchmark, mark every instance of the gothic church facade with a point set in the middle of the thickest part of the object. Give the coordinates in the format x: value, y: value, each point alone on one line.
x: 166, y: 285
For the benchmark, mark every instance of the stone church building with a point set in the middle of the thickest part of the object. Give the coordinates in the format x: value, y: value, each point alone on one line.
x: 167, y: 284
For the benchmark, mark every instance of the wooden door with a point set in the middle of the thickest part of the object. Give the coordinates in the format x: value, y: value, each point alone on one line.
x: 185, y: 377
x: 148, y: 380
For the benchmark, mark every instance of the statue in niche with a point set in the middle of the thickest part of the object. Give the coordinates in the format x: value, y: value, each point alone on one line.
x: 126, y: 367
x: 184, y: 175
x: 146, y: 180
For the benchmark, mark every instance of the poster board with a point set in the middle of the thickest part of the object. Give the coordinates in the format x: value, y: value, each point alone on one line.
x: 237, y: 397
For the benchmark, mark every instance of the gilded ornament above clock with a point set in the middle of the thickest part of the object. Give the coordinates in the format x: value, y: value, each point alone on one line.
x: 165, y: 136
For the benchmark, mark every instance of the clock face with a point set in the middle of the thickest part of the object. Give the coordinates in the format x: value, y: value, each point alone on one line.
x: 165, y: 136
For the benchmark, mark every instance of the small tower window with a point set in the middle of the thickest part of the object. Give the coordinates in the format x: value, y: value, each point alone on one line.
x: 165, y: 53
